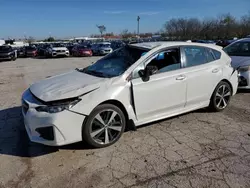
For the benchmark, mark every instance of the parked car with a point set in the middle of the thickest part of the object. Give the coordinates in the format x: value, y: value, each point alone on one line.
x: 134, y: 85
x: 102, y: 48
x: 20, y: 51
x: 70, y: 47
x: 30, y: 51
x: 82, y: 50
x: 7, y: 53
x: 239, y: 51
x: 224, y: 43
x: 56, y: 50
x: 41, y: 49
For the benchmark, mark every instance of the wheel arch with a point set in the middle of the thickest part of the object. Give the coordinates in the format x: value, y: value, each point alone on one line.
x: 223, y: 80
x: 119, y: 105
x: 229, y: 83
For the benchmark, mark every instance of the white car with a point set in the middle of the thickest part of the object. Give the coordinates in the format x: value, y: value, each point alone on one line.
x: 240, y: 54
x: 56, y: 50
x: 132, y: 86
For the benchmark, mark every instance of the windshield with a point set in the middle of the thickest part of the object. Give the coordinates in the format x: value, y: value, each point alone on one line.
x: 30, y: 48
x: 5, y: 48
x: 116, y: 63
x: 82, y: 47
x: 238, y: 49
x: 104, y: 45
x: 58, y: 45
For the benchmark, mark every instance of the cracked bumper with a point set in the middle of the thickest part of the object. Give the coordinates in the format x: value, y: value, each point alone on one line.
x: 66, y: 125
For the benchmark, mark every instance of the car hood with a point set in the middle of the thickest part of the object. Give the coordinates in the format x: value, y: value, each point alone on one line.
x: 65, y: 86
x: 59, y: 48
x: 239, y: 61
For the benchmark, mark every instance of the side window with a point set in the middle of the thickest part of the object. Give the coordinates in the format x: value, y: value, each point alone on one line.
x: 210, y: 55
x: 195, y: 56
x: 217, y: 54
x: 165, y: 61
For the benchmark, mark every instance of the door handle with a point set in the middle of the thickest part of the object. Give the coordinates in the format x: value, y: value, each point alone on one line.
x: 215, y: 70
x: 181, y: 77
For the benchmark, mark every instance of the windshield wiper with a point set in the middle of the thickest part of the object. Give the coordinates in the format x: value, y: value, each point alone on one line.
x: 95, y: 73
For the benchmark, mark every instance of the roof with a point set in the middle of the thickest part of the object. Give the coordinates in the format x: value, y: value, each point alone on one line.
x: 151, y: 45
x: 244, y: 39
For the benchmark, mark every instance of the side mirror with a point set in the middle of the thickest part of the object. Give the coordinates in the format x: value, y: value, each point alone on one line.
x: 144, y: 74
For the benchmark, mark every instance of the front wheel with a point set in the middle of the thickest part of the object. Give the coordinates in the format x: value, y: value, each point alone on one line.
x: 221, y: 97
x: 104, y: 126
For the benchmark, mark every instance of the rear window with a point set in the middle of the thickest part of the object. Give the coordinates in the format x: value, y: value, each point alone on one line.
x: 217, y: 54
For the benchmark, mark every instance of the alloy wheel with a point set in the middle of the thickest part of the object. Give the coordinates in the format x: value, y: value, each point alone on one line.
x: 222, y: 97
x: 106, y: 126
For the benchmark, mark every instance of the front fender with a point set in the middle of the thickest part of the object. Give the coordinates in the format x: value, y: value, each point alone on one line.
x: 120, y: 93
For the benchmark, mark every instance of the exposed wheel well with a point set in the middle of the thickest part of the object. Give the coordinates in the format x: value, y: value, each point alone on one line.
x: 119, y: 105
x: 231, y: 87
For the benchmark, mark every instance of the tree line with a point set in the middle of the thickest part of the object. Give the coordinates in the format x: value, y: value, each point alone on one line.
x: 222, y: 27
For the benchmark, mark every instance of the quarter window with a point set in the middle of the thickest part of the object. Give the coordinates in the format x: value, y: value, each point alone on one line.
x: 210, y: 56
x: 217, y: 54
x: 195, y: 56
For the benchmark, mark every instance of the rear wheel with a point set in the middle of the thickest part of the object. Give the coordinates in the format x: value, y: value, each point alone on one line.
x: 104, y: 126
x: 13, y: 58
x: 221, y: 97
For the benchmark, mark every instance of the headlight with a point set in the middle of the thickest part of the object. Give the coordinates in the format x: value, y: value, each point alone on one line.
x: 244, y: 68
x: 57, y: 108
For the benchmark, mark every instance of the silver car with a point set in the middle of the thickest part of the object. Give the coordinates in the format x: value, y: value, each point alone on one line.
x: 102, y: 48
x: 239, y: 51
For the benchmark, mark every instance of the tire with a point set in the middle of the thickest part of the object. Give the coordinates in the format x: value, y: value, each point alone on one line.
x: 13, y: 59
x: 217, y: 104
x: 95, y: 133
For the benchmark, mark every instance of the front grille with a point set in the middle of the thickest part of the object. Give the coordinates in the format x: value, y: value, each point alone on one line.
x: 25, y: 106
x: 46, y: 133
x: 60, y: 50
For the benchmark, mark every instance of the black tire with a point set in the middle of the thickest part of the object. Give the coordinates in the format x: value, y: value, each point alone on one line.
x: 13, y: 59
x: 87, y: 125
x: 213, y: 106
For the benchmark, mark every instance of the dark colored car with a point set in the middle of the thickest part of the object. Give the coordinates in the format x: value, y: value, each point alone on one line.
x: 70, y: 47
x: 7, y: 53
x: 224, y: 43
x: 82, y: 50
x: 20, y: 51
x: 41, y: 50
x: 30, y: 51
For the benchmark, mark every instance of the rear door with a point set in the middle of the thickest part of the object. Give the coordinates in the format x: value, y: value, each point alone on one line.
x: 203, y: 72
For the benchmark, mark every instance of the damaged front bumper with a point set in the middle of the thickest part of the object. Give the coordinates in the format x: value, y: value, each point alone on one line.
x: 54, y: 129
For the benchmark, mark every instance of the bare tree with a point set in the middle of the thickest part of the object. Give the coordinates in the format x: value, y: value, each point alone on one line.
x: 224, y: 26
x: 101, y: 28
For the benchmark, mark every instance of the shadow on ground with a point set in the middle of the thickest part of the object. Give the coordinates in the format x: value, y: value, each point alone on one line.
x: 14, y: 139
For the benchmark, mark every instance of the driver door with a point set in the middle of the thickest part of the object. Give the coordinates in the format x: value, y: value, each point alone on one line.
x: 164, y: 94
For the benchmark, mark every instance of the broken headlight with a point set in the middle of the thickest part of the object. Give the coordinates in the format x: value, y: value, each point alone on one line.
x: 57, y: 107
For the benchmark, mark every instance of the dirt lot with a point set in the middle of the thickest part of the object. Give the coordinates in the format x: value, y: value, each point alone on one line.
x: 195, y: 150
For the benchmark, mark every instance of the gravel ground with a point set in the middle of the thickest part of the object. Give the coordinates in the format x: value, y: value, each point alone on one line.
x: 194, y: 150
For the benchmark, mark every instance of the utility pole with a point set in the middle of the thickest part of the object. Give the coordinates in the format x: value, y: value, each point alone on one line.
x: 138, y: 25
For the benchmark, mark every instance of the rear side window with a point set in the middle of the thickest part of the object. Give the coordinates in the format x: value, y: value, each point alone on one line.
x: 217, y: 54
x: 195, y: 56
x: 210, y: 55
